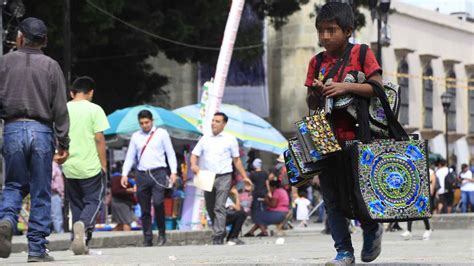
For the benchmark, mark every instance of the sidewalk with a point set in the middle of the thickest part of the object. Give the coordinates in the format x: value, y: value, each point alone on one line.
x: 181, y: 238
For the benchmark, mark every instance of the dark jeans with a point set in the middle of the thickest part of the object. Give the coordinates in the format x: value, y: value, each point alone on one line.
x: 215, y: 203
x: 148, y: 188
x: 270, y: 217
x: 330, y: 181
x: 236, y: 219
x: 86, y: 198
x: 28, y: 148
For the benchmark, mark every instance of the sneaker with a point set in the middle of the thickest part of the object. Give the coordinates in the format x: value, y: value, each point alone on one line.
x: 406, y: 235
x: 427, y: 234
x: 79, y: 242
x: 235, y: 241
x: 45, y: 257
x: 372, y: 245
x: 6, y: 233
x: 342, y: 258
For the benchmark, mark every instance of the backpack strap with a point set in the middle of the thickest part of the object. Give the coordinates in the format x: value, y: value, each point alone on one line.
x: 395, y: 128
x: 319, y: 61
x: 362, y: 55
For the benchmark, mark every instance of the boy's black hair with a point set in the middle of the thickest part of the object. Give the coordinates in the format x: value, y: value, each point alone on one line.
x: 339, y: 12
x: 83, y: 84
x: 226, y: 118
x: 145, y: 114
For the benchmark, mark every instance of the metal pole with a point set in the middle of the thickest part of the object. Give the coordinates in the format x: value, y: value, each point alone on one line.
x: 223, y: 62
x: 446, y: 136
x: 379, y: 45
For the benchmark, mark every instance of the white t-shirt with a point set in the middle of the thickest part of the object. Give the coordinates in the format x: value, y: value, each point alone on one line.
x: 441, y: 174
x: 302, y: 209
x: 216, y: 152
x: 466, y: 185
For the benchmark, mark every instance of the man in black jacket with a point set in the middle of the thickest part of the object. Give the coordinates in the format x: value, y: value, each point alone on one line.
x: 33, y: 107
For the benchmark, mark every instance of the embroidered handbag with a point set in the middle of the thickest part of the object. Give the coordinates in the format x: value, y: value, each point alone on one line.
x: 321, y: 136
x: 391, y: 176
x: 299, y: 172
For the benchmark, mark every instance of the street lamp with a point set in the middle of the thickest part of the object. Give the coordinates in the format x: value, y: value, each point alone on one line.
x: 379, y: 10
x: 446, y: 99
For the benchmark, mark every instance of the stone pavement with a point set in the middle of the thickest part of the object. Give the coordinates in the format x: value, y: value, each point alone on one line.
x: 302, y: 246
x: 179, y: 238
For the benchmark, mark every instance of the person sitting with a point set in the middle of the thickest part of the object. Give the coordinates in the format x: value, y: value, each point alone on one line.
x: 235, y: 217
x: 277, y: 209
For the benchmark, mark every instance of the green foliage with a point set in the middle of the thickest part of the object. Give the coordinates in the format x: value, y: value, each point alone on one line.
x: 114, y: 54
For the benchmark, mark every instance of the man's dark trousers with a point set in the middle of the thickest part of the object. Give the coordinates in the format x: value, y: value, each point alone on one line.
x: 28, y: 149
x: 86, y: 197
x: 151, y: 185
x: 215, y: 204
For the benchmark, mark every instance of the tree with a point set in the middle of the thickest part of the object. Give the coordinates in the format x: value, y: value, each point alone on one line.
x: 112, y: 39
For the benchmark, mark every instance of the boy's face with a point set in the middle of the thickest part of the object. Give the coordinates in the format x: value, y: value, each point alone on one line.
x: 332, y: 37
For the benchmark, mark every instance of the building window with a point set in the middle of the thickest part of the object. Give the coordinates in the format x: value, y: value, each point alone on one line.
x: 403, y: 81
x: 470, y: 85
x: 428, y: 96
x: 451, y: 88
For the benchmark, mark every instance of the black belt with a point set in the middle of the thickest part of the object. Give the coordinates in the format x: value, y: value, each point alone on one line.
x: 152, y: 170
x: 19, y: 119
x: 219, y: 175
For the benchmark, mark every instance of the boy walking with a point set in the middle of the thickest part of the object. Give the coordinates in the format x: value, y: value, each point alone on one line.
x: 335, y: 24
x: 85, y: 169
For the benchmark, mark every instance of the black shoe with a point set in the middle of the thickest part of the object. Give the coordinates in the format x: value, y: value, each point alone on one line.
x: 45, y: 257
x: 161, y: 240
x: 372, y: 244
x: 148, y: 243
x: 235, y: 241
x: 217, y: 240
x: 6, y: 233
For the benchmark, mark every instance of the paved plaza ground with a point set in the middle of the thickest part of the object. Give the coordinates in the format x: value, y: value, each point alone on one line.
x: 302, y: 246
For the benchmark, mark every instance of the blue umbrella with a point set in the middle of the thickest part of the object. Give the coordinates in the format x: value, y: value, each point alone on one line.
x: 252, y: 130
x: 125, y: 121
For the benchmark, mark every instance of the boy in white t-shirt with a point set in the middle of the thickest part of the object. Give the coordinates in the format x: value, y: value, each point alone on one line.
x: 467, y: 188
x: 302, y: 208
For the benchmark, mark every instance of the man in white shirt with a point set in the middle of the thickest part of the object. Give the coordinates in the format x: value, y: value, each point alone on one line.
x: 148, y: 150
x: 467, y: 188
x: 216, y: 153
x: 444, y: 197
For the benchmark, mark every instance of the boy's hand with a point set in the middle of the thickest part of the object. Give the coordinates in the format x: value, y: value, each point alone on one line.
x: 336, y: 89
x: 317, y: 84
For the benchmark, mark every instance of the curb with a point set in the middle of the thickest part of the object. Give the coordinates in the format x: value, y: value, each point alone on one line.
x: 99, y: 240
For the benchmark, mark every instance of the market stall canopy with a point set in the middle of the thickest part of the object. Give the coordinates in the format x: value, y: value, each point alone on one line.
x: 252, y: 130
x: 125, y: 121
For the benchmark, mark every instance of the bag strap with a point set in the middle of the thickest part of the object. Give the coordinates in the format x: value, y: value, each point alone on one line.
x: 362, y: 55
x: 342, y: 61
x: 395, y: 128
x: 146, y: 144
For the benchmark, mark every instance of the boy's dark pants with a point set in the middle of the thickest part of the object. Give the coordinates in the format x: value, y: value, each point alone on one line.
x: 86, y: 197
x: 332, y: 181
x: 148, y: 189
